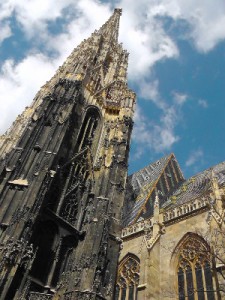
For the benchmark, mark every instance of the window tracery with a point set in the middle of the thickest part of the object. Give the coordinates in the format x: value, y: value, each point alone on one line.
x: 70, y: 208
x: 128, y: 278
x: 89, y: 129
x: 194, y: 274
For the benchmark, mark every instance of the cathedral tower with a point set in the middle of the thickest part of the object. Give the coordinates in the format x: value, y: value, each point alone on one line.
x: 63, y: 172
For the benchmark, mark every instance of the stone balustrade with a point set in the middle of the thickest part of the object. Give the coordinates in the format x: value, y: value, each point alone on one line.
x: 137, y: 227
x: 168, y: 215
x: 184, y: 209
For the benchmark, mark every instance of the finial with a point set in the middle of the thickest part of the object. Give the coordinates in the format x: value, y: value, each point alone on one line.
x: 118, y: 11
x: 156, y: 198
x: 214, y: 178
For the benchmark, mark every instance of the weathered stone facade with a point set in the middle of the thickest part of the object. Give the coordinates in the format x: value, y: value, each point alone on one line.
x: 63, y: 176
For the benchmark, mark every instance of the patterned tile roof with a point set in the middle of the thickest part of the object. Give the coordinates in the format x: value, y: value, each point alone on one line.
x: 141, y: 184
x: 148, y: 174
x: 196, y: 186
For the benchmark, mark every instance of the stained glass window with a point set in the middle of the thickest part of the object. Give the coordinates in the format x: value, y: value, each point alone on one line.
x: 128, y: 278
x: 194, y: 270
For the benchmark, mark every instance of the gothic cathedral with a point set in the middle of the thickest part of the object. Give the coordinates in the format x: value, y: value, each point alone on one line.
x: 63, y: 176
x: 72, y: 225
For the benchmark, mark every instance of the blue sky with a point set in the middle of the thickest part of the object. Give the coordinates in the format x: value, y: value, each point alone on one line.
x: 176, y: 67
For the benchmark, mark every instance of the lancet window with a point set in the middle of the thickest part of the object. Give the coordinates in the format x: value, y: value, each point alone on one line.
x: 70, y: 208
x: 128, y: 278
x: 88, y: 129
x: 194, y: 271
x: 76, y: 174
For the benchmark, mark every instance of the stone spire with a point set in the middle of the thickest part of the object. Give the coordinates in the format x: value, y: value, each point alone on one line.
x: 99, y: 61
x: 100, y: 51
x: 111, y: 28
x: 63, y: 181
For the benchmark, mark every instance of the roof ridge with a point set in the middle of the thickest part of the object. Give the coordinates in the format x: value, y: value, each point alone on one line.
x: 164, y: 157
x: 168, y: 158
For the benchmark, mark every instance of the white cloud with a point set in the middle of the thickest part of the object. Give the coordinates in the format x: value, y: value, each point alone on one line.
x: 203, y: 103
x: 180, y: 98
x: 149, y: 90
x: 5, y: 31
x: 34, y: 15
x: 80, y: 27
x: 158, y: 136
x: 144, y: 37
x: 15, y: 95
x: 194, y: 157
x: 205, y: 27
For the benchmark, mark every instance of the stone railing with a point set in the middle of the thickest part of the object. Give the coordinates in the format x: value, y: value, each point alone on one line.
x: 39, y: 296
x: 137, y: 227
x: 168, y: 215
x: 185, y: 209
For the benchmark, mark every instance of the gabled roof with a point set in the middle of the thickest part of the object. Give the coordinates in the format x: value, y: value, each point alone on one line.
x: 142, y: 184
x: 149, y: 174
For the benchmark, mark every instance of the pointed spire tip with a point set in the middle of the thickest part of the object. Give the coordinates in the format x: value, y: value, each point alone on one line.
x: 118, y: 11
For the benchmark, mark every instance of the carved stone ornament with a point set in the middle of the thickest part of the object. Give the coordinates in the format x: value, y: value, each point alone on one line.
x: 39, y: 296
x: 128, y: 272
x: 15, y: 251
x: 67, y: 84
x: 193, y: 251
x: 128, y: 121
x: 20, y: 214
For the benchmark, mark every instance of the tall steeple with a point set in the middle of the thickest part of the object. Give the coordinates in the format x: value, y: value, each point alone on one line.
x: 62, y: 177
x: 98, y: 61
x: 111, y: 28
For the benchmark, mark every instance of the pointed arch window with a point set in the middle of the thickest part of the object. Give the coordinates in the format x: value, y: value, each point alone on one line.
x: 194, y: 271
x: 89, y: 129
x: 128, y: 278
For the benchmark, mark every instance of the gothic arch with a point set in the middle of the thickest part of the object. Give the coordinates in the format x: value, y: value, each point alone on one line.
x: 183, y: 241
x: 90, y: 129
x: 93, y: 108
x: 128, y: 277
x: 192, y: 264
x: 129, y: 254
